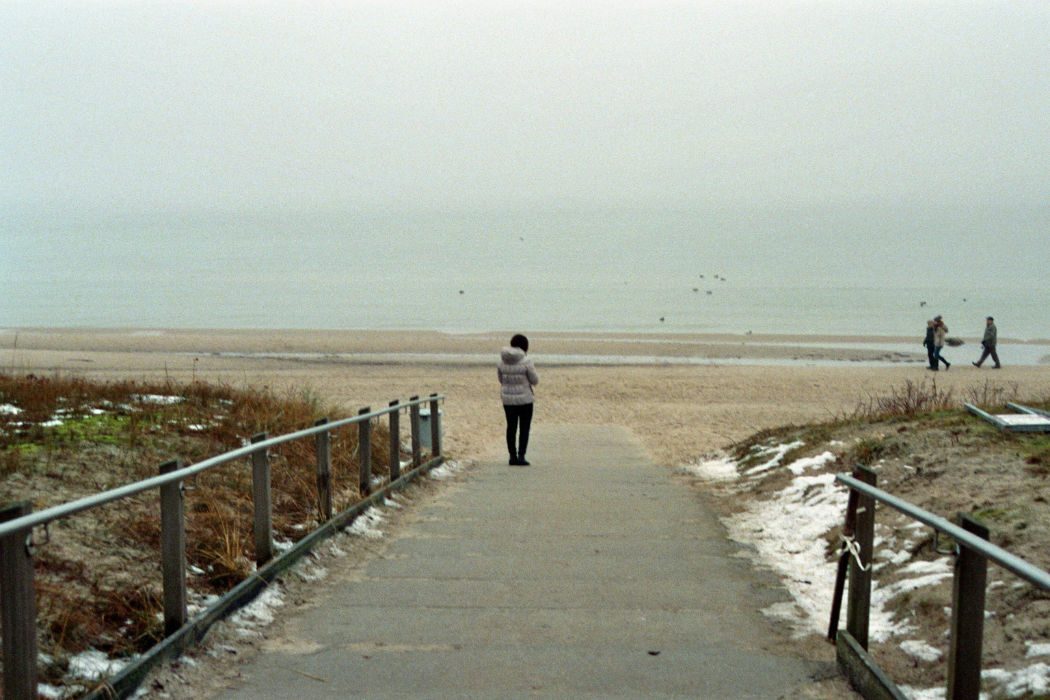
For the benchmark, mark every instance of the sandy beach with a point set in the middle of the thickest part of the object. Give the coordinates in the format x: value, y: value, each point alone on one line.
x: 685, y: 396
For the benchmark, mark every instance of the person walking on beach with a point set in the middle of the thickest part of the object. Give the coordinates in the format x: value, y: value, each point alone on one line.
x: 928, y: 344
x: 988, y: 343
x: 517, y: 376
x: 940, y: 332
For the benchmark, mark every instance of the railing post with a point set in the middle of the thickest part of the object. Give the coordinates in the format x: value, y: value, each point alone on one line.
x: 413, y: 413
x: 435, y: 426
x: 263, y: 525
x: 173, y: 550
x: 18, y: 625
x: 968, y: 591
x: 858, y: 610
x: 364, y: 453
x: 395, y: 442
x: 323, y: 441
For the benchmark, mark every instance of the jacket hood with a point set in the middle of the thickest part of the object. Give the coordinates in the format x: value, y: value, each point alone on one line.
x: 512, y: 356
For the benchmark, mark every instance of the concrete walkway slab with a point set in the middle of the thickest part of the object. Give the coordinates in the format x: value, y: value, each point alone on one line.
x: 591, y: 573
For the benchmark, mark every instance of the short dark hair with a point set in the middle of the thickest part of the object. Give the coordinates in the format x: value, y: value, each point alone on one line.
x: 521, y: 342
x: 990, y: 318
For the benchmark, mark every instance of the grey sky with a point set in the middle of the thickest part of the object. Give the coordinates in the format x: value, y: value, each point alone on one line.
x: 246, y: 104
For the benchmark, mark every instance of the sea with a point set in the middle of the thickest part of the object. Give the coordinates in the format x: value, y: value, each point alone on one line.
x: 618, y: 272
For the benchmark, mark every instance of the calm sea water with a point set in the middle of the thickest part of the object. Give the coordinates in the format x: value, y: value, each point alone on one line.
x: 619, y: 272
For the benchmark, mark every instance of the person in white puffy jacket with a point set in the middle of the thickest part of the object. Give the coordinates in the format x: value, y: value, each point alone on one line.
x: 517, y: 376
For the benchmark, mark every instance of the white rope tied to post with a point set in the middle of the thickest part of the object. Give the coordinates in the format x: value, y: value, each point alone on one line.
x: 853, y: 546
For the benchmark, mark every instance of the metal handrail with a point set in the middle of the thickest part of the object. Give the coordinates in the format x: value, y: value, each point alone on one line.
x: 88, y: 502
x: 1000, y: 556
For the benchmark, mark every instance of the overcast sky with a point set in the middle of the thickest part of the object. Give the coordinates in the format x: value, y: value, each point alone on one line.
x: 489, y: 104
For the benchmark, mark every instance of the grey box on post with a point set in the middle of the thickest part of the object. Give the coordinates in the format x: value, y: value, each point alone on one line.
x: 425, y: 426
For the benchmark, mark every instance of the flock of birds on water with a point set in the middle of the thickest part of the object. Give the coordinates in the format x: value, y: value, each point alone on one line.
x: 720, y: 278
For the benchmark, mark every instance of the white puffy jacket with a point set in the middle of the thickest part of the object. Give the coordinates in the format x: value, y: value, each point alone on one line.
x: 517, y: 376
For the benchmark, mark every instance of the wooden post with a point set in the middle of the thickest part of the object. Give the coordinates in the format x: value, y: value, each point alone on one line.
x: 435, y: 426
x: 413, y: 417
x: 173, y: 550
x: 968, y: 591
x: 858, y: 610
x: 395, y: 442
x: 18, y: 614
x: 323, y: 441
x: 263, y: 525
x: 843, y: 565
x: 364, y: 453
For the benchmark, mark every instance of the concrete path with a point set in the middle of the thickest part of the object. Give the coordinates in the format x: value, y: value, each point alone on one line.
x: 591, y: 573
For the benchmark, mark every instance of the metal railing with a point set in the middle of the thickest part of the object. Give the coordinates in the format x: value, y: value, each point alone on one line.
x: 972, y: 552
x: 17, y: 522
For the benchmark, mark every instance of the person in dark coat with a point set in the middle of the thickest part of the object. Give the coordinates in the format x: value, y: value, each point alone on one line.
x: 928, y: 344
x: 988, y: 342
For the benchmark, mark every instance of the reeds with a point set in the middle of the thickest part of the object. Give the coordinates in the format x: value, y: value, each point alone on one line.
x: 98, y: 577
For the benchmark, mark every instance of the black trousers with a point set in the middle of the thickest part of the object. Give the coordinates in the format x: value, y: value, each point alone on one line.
x: 519, y: 419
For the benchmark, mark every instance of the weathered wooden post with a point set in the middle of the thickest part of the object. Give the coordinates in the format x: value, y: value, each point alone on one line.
x: 173, y: 549
x: 435, y: 426
x: 857, y: 612
x: 364, y: 453
x: 18, y: 624
x: 395, y: 442
x: 263, y: 525
x: 413, y: 414
x: 323, y: 442
x: 968, y: 592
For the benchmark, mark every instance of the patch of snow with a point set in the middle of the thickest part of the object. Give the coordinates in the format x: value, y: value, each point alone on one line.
x: 315, y: 573
x: 158, y: 399
x: 800, y: 465
x: 366, y: 524
x: 717, y: 469
x: 941, y: 566
x: 923, y: 693
x: 259, y: 611
x: 53, y: 692
x: 446, y: 470
x: 1031, y: 680
x: 776, y: 454
x: 53, y: 423
x: 894, y: 558
x: 93, y: 665
x: 9, y: 409
x: 787, y: 533
x: 920, y: 650
x: 1037, y: 649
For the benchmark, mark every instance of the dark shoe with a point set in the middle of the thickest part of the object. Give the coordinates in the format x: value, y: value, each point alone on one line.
x: 975, y: 364
x: 514, y: 462
x: 997, y: 367
x: 522, y: 463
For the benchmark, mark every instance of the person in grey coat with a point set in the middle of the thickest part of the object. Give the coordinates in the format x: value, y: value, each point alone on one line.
x: 517, y: 376
x: 940, y: 333
x: 988, y: 343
